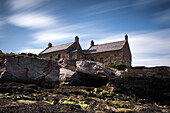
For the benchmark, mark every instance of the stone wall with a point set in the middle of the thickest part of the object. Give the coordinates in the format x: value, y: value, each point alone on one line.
x: 127, y: 57
x: 123, y: 55
x: 63, y: 53
x: 158, y: 72
x: 106, y: 56
x: 153, y: 83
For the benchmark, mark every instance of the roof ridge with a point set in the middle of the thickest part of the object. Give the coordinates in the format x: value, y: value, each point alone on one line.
x: 109, y: 43
x: 57, y: 48
x: 63, y: 44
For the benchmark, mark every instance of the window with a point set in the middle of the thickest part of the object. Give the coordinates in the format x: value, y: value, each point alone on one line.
x: 111, y: 59
x: 71, y: 56
x: 101, y: 60
x: 59, y: 56
x: 51, y: 57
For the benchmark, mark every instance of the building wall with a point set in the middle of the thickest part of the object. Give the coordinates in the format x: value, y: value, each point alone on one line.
x: 106, y: 56
x: 123, y: 55
x: 127, y: 57
x: 77, y: 55
x: 63, y: 53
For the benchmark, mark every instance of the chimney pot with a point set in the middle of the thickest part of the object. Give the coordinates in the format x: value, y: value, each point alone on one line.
x: 92, y: 43
x: 49, y: 45
x: 76, y: 39
x: 126, y: 37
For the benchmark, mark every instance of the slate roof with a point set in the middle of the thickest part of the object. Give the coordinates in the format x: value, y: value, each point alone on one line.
x: 57, y: 48
x: 106, y: 47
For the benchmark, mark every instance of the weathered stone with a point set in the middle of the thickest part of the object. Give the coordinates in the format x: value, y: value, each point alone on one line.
x: 68, y: 64
x: 66, y: 76
x: 120, y: 74
x: 30, y: 70
x: 87, y: 73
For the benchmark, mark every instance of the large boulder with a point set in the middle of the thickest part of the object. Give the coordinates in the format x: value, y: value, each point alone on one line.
x: 87, y: 73
x: 29, y: 70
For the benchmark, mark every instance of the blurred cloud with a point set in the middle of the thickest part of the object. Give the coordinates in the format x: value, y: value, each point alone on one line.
x: 23, y: 4
x: 163, y: 17
x: 152, y: 61
x: 32, y: 20
x: 148, y: 3
x: 63, y: 32
x: 36, y: 51
x: 45, y: 37
x: 105, y: 7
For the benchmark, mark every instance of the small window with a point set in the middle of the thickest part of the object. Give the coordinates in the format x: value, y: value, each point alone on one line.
x: 59, y: 56
x: 51, y: 57
x: 111, y: 59
x: 101, y: 60
x: 71, y: 56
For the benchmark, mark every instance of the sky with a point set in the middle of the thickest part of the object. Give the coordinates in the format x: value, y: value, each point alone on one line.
x: 29, y: 25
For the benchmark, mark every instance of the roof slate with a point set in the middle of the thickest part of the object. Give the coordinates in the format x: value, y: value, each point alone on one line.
x: 57, y: 48
x: 106, y: 47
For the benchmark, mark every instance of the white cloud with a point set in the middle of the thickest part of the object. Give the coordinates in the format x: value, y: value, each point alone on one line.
x: 45, y: 37
x: 32, y: 20
x: 106, y: 7
x: 152, y: 61
x: 163, y: 17
x: 23, y: 4
x: 35, y: 51
x: 62, y: 33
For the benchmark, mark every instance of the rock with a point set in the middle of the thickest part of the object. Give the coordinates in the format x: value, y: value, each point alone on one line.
x: 49, y: 73
x: 68, y: 64
x: 120, y: 74
x: 87, y: 73
x: 93, y: 68
x: 30, y: 70
x: 66, y: 76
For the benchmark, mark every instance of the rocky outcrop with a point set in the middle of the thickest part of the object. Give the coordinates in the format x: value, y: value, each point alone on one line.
x: 87, y: 73
x: 29, y: 70
x: 50, y: 73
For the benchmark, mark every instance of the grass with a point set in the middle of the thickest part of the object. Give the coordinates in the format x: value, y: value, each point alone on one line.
x: 81, y: 103
x: 49, y: 102
x: 26, y: 101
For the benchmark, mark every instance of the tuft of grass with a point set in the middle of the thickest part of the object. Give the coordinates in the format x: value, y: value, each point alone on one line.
x: 26, y: 101
x: 81, y: 103
x: 49, y: 102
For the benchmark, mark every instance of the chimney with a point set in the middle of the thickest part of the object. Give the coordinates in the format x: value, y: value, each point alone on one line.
x: 126, y: 37
x: 76, y: 39
x: 92, y: 43
x: 49, y: 45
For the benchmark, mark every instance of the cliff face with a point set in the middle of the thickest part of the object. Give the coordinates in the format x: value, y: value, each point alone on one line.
x: 29, y: 70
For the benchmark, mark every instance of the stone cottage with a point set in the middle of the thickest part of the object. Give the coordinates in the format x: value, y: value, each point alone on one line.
x: 70, y: 50
x: 104, y: 53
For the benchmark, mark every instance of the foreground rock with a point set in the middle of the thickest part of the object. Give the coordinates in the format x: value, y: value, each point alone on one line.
x: 84, y: 73
x: 29, y: 70
x: 50, y: 73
